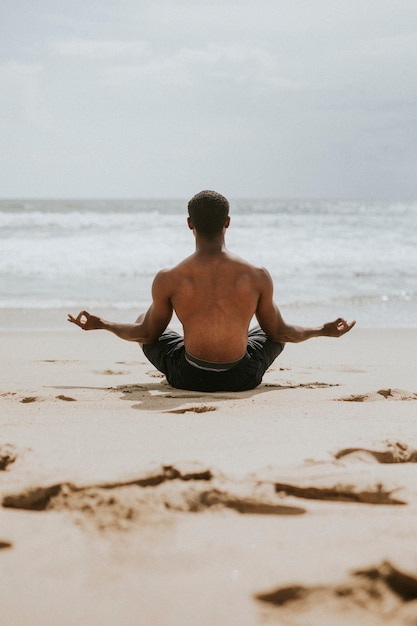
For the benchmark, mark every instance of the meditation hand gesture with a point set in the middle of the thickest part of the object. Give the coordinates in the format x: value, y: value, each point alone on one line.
x: 86, y: 321
x: 337, y: 328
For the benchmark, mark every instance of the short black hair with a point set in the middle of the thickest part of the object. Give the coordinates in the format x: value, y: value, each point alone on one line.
x: 208, y: 211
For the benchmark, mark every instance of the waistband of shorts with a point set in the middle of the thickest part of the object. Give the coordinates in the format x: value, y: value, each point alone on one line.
x: 211, y: 366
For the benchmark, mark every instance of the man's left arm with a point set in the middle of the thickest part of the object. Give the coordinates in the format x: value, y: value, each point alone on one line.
x: 272, y: 322
x: 152, y: 324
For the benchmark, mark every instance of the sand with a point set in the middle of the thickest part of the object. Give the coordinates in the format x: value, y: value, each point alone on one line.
x: 127, y: 502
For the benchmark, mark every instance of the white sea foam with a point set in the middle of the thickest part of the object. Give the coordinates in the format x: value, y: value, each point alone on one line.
x: 350, y: 258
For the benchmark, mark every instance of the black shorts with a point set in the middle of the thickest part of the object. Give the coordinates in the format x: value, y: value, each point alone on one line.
x: 169, y: 357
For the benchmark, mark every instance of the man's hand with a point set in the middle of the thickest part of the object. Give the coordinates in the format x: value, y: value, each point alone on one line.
x: 86, y: 321
x: 337, y: 328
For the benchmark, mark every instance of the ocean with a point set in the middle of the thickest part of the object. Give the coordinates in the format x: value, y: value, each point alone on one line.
x: 355, y: 259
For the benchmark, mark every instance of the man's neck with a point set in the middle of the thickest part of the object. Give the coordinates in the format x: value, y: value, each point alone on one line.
x: 210, y: 246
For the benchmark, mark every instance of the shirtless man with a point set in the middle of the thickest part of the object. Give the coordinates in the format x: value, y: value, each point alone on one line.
x: 215, y: 295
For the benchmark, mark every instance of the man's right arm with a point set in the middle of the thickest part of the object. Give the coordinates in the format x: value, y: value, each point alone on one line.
x: 150, y: 326
x: 271, y: 321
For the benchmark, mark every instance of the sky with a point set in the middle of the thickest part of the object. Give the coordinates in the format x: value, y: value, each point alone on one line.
x: 253, y: 98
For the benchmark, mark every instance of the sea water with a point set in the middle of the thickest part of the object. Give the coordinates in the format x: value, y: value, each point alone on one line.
x: 356, y: 259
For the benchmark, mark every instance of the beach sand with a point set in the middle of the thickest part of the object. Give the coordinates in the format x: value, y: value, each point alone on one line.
x: 127, y: 502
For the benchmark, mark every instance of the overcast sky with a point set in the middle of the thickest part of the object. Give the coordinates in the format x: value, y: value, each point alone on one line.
x: 254, y: 98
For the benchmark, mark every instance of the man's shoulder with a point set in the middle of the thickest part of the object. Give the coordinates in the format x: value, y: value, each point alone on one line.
x: 238, y: 260
x: 163, y: 278
x: 257, y: 271
x: 168, y: 274
x: 163, y: 273
x: 192, y: 263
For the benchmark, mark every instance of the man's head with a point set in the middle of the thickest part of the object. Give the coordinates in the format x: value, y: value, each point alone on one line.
x: 209, y: 213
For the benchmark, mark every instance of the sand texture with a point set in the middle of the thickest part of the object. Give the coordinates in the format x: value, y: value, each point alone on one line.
x: 127, y: 502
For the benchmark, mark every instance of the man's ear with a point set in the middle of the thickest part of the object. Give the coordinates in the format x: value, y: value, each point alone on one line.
x: 190, y: 224
x: 227, y: 222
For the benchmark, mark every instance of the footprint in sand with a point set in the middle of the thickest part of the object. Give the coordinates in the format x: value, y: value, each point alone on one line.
x: 311, y: 385
x: 379, y: 592
x: 340, y: 493
x: 8, y: 456
x: 188, y: 489
x: 58, y: 361
x: 30, y: 399
x: 395, y: 453
x: 381, y: 394
x: 127, y: 362
x: 200, y: 408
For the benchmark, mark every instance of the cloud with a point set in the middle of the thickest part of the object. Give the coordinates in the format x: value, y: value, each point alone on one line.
x: 99, y: 49
x: 402, y: 46
x: 187, y: 87
x: 15, y: 74
x: 232, y: 64
x: 19, y: 89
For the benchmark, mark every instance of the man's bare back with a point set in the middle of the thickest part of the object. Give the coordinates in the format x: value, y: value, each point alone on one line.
x: 215, y: 295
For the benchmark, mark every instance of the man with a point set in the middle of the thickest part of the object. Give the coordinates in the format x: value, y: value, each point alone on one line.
x: 215, y: 295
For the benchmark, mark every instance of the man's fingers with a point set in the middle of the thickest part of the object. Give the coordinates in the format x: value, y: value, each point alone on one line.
x: 80, y: 320
x: 343, y: 326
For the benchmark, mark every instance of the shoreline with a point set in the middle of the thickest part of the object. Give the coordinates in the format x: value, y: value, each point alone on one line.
x: 184, y: 508
x: 391, y: 315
